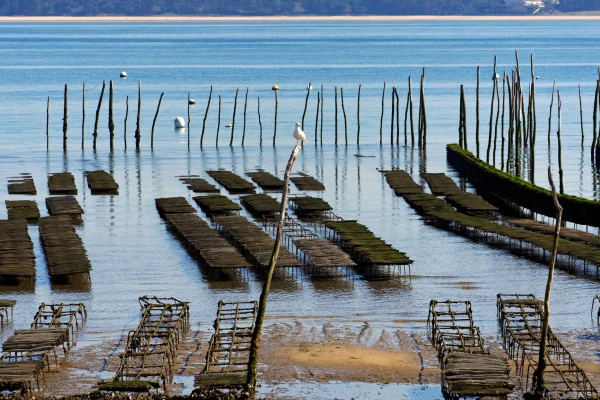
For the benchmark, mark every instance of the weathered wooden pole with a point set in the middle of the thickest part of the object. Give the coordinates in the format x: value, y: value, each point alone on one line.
x: 502, y: 119
x: 550, y: 113
x: 381, y: 119
x: 245, y: 108
x: 48, y: 123
x: 322, y: 107
x: 595, y: 118
x: 259, y: 120
x: 410, y: 103
x: 358, y: 115
x: 336, y: 115
x: 125, y: 121
x: 154, y: 120
x: 497, y: 83
x: 65, y: 116
x: 189, y: 105
x: 111, y: 122
x: 276, y: 90
x: 494, y: 85
x: 538, y: 375
x: 397, y: 117
x: 138, y: 134
x: 533, y: 132
x: 460, y: 118
x: 344, y: 114
x: 581, y: 115
x: 95, y: 134
x: 308, y: 88
x: 237, y: 91
x: 83, y: 116
x: 218, y: 123
x: 250, y: 386
x: 317, y: 116
x: 392, y: 115
x: 560, y: 170
x: 423, y: 113
x: 477, y: 115
x: 206, y: 115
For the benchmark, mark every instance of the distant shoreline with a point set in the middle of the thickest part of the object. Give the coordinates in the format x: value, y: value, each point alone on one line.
x: 172, y: 18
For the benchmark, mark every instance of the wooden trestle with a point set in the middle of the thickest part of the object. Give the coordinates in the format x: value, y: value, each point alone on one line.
x: 17, y: 259
x: 26, y: 354
x: 22, y: 184
x: 229, y: 347
x: 468, y: 368
x: 101, y: 182
x: 150, y: 349
x: 520, y: 318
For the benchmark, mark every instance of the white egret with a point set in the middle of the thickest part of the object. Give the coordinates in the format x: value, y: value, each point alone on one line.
x: 299, y: 133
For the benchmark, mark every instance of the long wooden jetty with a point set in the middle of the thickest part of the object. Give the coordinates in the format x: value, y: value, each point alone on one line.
x: 216, y: 204
x: 469, y: 369
x: 520, y: 319
x: 204, y: 242
x: 149, y: 354
x: 232, y: 182
x: 22, y: 184
x: 572, y: 256
x: 65, y: 254
x: 101, y: 182
x: 62, y: 183
x: 266, y: 180
x: 198, y: 185
x: 22, y: 209
x: 17, y: 260
x: 254, y: 243
x: 65, y: 205
x: 229, y: 347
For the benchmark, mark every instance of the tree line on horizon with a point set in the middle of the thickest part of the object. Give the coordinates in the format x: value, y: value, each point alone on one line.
x: 290, y: 7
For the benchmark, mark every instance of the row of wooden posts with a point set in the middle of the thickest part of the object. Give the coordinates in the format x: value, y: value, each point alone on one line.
x: 522, y: 122
x: 318, y: 126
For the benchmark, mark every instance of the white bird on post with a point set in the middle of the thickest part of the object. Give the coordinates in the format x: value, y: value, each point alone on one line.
x: 299, y: 133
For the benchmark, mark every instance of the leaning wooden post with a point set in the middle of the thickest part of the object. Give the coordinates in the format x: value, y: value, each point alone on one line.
x: 111, y: 123
x: 494, y: 86
x: 65, y: 116
x: 393, y: 114
x: 317, y: 116
x: 464, y: 116
x: 538, y: 375
x: 245, y: 108
x: 95, y: 134
x: 560, y: 170
x: 237, y: 91
x: 358, y: 116
x: 550, y: 113
x: 125, y: 121
x: 397, y: 118
x: 218, y: 123
x: 206, y: 114
x: 154, y: 120
x: 336, y: 116
x: 423, y: 113
x: 595, y: 118
x: 322, y: 106
x: 259, y: 121
x: 275, y: 88
x: 308, y: 88
x: 48, y: 124
x: 344, y: 114
x: 260, y: 316
x: 188, y: 120
x: 83, y: 116
x: 381, y: 119
x: 410, y: 105
x: 138, y: 134
x: 580, y: 115
x: 477, y: 115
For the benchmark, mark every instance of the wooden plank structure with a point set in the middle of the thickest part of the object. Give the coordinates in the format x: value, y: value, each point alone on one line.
x: 65, y: 205
x: 440, y: 184
x: 254, y: 243
x: 173, y: 205
x: 65, y: 254
x: 309, y: 206
x: 261, y: 205
x: 61, y: 315
x: 150, y: 349
x: 17, y: 260
x: 229, y: 347
x: 469, y: 369
x: 22, y: 184
x: 6, y: 305
x: 205, y: 243
x: 472, y: 204
x: 62, y: 183
x: 22, y: 209
x: 101, y: 182
x: 199, y: 185
x: 573, y: 256
x: 216, y: 204
x: 368, y: 251
x: 232, y: 182
x: 305, y: 182
x: 266, y: 180
x: 520, y: 319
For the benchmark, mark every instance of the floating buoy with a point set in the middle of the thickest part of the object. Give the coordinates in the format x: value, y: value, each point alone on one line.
x: 191, y: 101
x: 227, y: 125
x: 179, y: 122
x: 495, y: 77
x: 123, y: 74
x: 275, y: 87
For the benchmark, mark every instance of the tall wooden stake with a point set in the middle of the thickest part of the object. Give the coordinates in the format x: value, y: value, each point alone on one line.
x: 276, y: 107
x: 358, y: 116
x: 206, y: 115
x: 381, y: 119
x: 218, y: 123
x: 250, y: 386
x: 95, y: 134
x: 125, y: 121
x: 111, y: 123
x: 245, y: 108
x: 65, y: 116
x: 344, y: 114
x: 237, y: 91
x: 48, y: 124
x: 477, y: 115
x: 138, y: 133
x: 259, y: 121
x: 154, y: 120
x: 83, y: 116
x: 308, y: 89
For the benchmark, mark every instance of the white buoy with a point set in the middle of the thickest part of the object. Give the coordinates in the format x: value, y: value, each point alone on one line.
x: 123, y: 74
x: 191, y: 102
x: 179, y: 122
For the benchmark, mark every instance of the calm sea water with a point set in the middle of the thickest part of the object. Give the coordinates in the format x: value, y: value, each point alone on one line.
x: 131, y: 251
